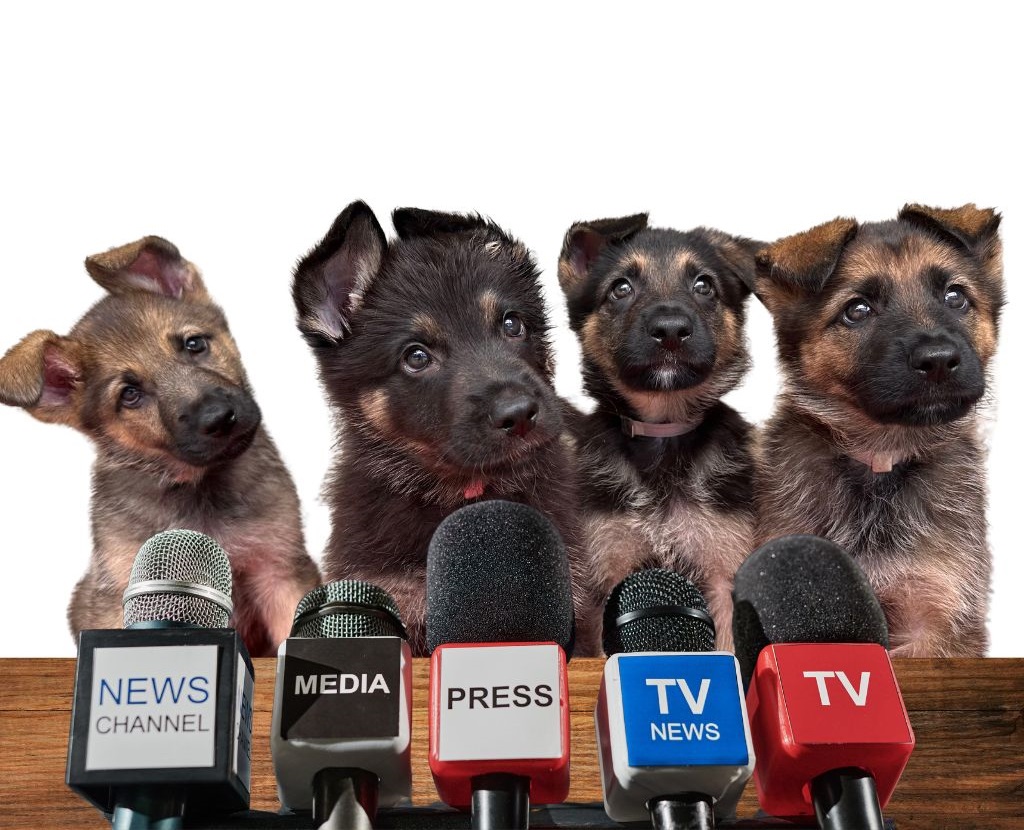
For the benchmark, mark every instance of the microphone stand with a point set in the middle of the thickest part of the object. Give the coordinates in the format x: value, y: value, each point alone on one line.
x: 151, y: 808
x: 345, y: 798
x: 685, y: 811
x: 501, y: 801
x: 846, y: 799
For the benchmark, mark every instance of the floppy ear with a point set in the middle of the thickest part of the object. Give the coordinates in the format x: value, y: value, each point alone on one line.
x: 972, y: 229
x: 332, y: 279
x: 412, y: 222
x: 150, y: 264
x: 41, y: 374
x: 802, y: 262
x: 585, y: 240
x: 738, y: 252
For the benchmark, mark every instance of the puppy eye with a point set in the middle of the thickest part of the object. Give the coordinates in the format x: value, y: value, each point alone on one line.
x: 621, y: 289
x: 513, y: 326
x: 415, y: 359
x: 702, y: 285
x: 856, y: 312
x: 956, y: 298
x: 196, y: 344
x: 131, y: 397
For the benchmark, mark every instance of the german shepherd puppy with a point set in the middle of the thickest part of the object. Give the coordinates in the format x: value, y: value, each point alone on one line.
x: 665, y: 466
x: 434, y: 350
x: 885, y: 331
x: 153, y: 377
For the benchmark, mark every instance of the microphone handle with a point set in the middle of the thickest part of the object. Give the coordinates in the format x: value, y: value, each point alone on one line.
x: 345, y: 798
x: 846, y: 799
x: 501, y: 801
x: 686, y: 811
x: 149, y: 808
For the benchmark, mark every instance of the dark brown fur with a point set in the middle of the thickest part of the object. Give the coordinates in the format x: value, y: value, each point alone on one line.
x: 417, y: 446
x: 854, y: 402
x: 152, y: 473
x: 682, y: 502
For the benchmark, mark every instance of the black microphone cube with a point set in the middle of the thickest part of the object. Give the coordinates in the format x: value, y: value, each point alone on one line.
x: 163, y: 707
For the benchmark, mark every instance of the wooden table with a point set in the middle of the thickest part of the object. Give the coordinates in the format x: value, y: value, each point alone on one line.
x: 966, y: 772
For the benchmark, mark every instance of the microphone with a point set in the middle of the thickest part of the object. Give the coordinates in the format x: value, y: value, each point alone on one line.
x: 672, y: 734
x: 499, y: 625
x: 161, y: 723
x: 827, y: 719
x: 340, y: 733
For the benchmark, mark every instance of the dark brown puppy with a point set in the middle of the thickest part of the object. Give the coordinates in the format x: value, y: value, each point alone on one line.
x: 665, y: 466
x: 153, y: 377
x: 885, y: 331
x: 434, y: 350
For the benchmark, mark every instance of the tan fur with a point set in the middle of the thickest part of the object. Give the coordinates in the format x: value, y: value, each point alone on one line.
x: 680, y: 535
x: 490, y: 305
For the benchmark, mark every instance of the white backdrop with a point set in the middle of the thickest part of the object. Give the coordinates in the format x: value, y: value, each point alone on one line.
x: 239, y: 131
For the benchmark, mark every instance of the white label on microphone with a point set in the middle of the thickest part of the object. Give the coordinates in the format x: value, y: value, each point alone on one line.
x: 242, y: 762
x: 499, y: 702
x: 152, y: 707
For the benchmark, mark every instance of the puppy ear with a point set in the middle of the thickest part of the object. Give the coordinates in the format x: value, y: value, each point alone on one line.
x: 41, y: 374
x: 412, y: 222
x: 584, y: 241
x: 973, y: 229
x: 331, y: 280
x: 150, y: 264
x: 802, y: 262
x: 739, y: 254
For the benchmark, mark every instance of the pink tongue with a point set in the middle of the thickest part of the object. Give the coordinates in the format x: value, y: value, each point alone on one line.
x: 475, y: 490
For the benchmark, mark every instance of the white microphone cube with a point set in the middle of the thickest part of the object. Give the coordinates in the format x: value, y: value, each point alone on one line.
x: 342, y: 702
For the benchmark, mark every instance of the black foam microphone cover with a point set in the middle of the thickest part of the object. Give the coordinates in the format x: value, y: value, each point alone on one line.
x: 656, y: 610
x: 802, y: 589
x: 497, y: 571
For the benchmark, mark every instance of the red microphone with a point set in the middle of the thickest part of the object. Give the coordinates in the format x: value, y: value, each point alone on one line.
x: 499, y: 697
x: 828, y: 723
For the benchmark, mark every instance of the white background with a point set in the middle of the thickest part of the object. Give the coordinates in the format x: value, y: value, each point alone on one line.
x: 238, y: 131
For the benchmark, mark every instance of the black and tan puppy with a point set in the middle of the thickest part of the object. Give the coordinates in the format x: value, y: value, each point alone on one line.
x: 885, y: 331
x: 434, y: 350
x: 665, y: 466
x: 152, y: 375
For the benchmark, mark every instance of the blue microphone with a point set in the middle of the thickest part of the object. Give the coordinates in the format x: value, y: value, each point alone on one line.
x: 671, y: 719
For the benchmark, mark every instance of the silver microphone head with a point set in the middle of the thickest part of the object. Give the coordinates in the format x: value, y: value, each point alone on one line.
x: 348, y: 608
x: 179, y: 576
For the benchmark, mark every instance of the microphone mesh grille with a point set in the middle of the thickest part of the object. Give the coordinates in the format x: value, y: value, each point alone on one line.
x: 348, y: 622
x: 182, y: 556
x: 649, y: 589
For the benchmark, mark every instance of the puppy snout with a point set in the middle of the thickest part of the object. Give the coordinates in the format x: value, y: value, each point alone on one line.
x: 669, y: 327
x: 514, y: 412
x: 935, y: 358
x: 215, y: 414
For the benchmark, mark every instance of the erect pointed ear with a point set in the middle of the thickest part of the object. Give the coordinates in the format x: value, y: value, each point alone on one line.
x: 738, y: 252
x: 149, y: 264
x: 585, y: 240
x: 412, y: 222
x: 973, y: 229
x: 332, y: 279
x: 802, y: 262
x: 41, y: 374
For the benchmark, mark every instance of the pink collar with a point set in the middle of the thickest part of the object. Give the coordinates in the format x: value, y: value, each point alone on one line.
x: 474, y: 490
x: 634, y: 428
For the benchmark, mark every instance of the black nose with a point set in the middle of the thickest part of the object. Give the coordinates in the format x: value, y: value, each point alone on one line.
x: 669, y: 328
x: 514, y: 413
x: 215, y: 414
x: 936, y: 358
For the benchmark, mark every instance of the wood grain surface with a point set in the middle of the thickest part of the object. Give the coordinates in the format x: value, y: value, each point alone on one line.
x: 966, y: 772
